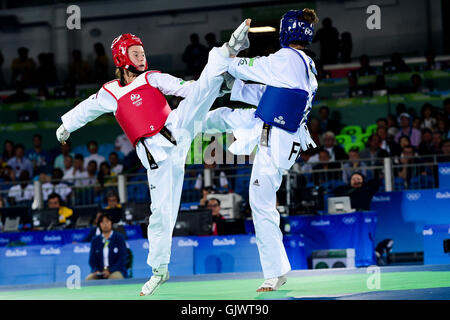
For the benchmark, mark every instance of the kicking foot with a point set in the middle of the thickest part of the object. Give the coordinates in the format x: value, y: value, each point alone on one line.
x: 151, y: 285
x: 238, y: 41
x: 272, y: 284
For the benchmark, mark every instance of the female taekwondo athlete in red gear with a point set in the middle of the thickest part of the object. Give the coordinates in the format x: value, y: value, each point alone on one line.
x: 162, y: 137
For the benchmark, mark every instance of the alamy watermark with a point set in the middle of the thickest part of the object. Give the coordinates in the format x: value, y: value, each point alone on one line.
x: 374, y: 280
x: 74, y: 19
x: 374, y: 20
x: 74, y: 280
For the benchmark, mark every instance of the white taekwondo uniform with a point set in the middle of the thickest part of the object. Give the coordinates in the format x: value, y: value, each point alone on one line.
x: 283, y: 69
x: 166, y: 181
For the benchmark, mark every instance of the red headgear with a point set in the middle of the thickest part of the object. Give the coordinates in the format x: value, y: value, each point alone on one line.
x: 120, y: 47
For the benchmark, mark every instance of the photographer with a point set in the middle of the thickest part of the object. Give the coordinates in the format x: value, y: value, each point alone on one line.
x: 108, y: 254
x: 359, y: 191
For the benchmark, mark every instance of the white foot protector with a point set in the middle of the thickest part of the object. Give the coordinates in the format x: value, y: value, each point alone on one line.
x: 272, y: 284
x: 151, y: 285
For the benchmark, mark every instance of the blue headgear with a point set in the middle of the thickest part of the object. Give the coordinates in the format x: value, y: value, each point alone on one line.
x: 294, y: 28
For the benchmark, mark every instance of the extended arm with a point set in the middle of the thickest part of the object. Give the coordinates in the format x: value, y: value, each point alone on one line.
x: 86, y: 111
x: 170, y: 85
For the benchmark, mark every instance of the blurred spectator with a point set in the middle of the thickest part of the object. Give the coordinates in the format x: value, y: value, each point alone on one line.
x: 392, y: 125
x: 55, y: 202
x: 406, y: 168
x: 91, y: 173
x: 211, y: 41
x: 23, y: 68
x: 303, y: 164
x: 24, y: 191
x: 314, y: 131
x: 395, y: 65
x: 354, y: 164
x: 19, y: 162
x: 354, y: 89
x: 335, y: 152
x: 374, y: 152
x: 445, y: 152
x: 426, y: 146
x: 8, y: 151
x: 346, y: 47
x: 387, y: 143
x: 328, y: 37
x: 105, y: 177
x: 65, y: 151
x: 101, y: 64
x: 195, y: 56
x: 79, y: 69
x: 7, y: 174
x: 416, y: 123
x: 112, y: 200
x: 108, y: 254
x: 3, y: 85
x: 46, y: 71
x: 78, y: 174
x: 360, y: 192
x: 20, y: 95
x: 327, y: 124
x: 68, y: 165
x: 416, y: 85
x: 116, y: 167
x: 437, y: 140
x: 442, y: 126
x: 39, y: 157
x: 123, y: 145
x: 54, y: 185
x: 93, y: 150
x: 430, y: 63
x: 217, y: 219
x: 407, y: 130
x: 205, y: 192
x: 382, y: 122
x: 366, y: 69
x: 329, y: 170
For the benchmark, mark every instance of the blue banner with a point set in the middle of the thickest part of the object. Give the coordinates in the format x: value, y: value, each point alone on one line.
x: 444, y: 175
x: 433, y: 240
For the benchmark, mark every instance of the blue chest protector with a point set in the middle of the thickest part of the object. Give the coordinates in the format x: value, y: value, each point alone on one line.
x: 282, y: 107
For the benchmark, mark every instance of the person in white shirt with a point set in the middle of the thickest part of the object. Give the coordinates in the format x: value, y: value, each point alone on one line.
x: 93, y: 150
x: 116, y: 167
x: 24, y: 191
x: 162, y: 136
x: 277, y: 128
x: 68, y: 164
x: 56, y: 186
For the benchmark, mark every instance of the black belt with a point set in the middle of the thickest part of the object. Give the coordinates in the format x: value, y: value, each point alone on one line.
x: 265, y: 135
x: 166, y: 134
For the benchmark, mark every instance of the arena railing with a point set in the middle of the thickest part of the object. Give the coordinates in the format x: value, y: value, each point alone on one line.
x: 395, y: 173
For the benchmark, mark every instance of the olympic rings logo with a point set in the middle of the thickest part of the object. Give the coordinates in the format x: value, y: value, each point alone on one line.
x: 413, y: 196
x: 444, y: 171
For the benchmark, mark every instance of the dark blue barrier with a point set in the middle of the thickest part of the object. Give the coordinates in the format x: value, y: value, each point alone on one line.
x: 333, y: 231
x: 433, y: 238
x: 444, y: 175
x: 237, y: 253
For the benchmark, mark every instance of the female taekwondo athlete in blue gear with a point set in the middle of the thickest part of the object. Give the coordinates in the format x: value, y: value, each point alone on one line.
x: 277, y: 128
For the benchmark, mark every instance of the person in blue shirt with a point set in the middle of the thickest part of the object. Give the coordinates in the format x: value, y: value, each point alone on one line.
x: 40, y: 158
x: 108, y: 253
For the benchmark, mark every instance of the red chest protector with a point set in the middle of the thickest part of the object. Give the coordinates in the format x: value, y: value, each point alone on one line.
x: 142, y: 110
